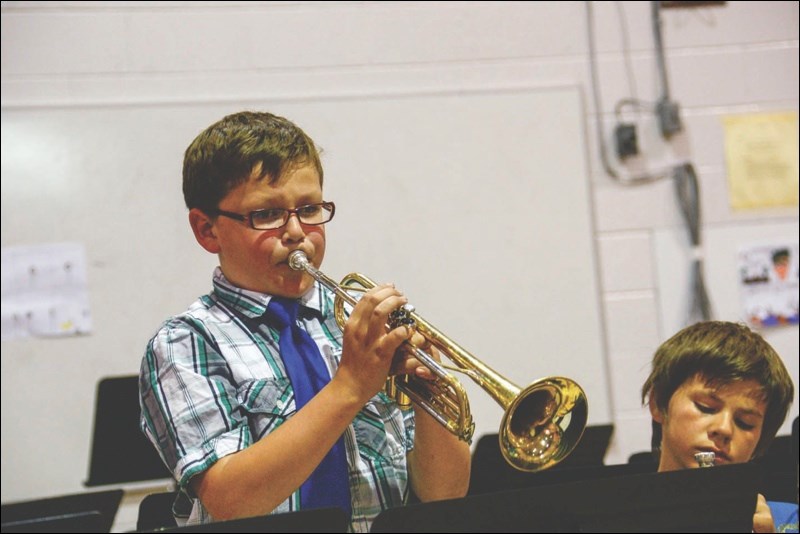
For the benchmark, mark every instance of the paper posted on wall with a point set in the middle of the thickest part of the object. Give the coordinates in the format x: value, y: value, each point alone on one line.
x: 769, y: 283
x: 44, y: 291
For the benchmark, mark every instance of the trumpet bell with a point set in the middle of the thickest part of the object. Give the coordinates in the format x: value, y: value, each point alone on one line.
x: 543, y: 424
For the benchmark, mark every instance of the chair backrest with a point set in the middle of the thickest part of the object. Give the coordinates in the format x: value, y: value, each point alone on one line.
x: 643, y: 457
x: 591, y: 449
x: 155, y: 511
x: 120, y: 451
x: 79, y: 512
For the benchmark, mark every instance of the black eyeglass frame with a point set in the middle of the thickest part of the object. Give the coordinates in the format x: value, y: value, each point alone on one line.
x: 250, y: 217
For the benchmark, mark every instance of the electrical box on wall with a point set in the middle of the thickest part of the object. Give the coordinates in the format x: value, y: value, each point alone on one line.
x: 669, y: 118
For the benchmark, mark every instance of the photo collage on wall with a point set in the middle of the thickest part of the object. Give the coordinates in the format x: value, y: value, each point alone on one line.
x: 769, y: 284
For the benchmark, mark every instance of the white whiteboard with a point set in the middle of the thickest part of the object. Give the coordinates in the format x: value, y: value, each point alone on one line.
x: 475, y: 204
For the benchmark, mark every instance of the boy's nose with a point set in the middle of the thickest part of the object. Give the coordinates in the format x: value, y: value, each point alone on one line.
x: 293, y: 229
x: 722, y: 426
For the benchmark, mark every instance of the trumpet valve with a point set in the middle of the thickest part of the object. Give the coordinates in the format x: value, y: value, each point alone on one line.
x: 402, y: 317
x: 393, y: 392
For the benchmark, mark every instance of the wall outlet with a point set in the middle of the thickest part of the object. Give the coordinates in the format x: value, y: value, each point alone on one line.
x: 625, y: 140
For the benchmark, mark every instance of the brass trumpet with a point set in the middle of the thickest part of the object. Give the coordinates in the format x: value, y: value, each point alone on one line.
x: 541, y: 424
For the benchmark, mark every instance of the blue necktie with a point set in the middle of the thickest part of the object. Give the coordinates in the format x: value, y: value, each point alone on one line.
x: 328, y: 485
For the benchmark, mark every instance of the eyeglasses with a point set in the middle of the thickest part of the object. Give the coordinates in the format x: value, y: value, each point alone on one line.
x: 274, y: 218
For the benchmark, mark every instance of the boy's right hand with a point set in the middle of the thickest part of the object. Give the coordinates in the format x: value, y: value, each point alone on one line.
x: 368, y: 348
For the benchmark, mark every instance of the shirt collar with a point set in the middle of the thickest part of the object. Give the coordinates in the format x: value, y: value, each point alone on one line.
x: 253, y: 304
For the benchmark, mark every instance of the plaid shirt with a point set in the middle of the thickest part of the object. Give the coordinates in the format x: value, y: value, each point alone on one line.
x: 212, y: 383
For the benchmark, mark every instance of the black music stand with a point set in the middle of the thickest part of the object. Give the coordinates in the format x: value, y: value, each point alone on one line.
x: 779, y: 465
x: 77, y: 522
x: 121, y: 453
x: 720, y: 499
x: 520, y: 480
x: 316, y: 520
x: 79, y: 512
x: 490, y: 471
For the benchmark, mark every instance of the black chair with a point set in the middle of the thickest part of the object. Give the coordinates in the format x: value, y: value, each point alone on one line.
x: 80, y: 512
x: 644, y: 457
x: 120, y: 451
x: 591, y: 449
x: 155, y: 512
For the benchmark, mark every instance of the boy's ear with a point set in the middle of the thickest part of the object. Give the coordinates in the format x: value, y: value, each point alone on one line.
x: 204, y: 230
x: 655, y: 411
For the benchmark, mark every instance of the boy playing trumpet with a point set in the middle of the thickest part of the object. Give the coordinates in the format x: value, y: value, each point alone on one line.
x: 719, y: 387
x: 254, y: 398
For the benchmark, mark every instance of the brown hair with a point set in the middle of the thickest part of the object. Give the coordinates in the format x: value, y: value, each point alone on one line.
x: 720, y: 353
x: 224, y: 155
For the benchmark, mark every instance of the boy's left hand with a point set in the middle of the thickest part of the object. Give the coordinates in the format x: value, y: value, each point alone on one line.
x: 762, y: 519
x: 406, y: 364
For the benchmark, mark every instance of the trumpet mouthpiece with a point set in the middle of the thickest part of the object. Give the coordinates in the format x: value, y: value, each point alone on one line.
x: 298, y: 260
x: 705, y: 459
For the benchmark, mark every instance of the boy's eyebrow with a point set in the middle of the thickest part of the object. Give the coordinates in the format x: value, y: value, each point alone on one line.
x: 748, y: 411
x: 754, y: 412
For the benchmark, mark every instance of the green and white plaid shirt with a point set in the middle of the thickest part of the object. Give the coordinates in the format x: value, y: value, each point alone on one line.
x: 212, y: 383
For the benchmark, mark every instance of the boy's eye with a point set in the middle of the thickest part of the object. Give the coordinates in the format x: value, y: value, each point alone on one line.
x: 703, y: 408
x: 268, y: 215
x: 308, y: 211
x: 744, y: 425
